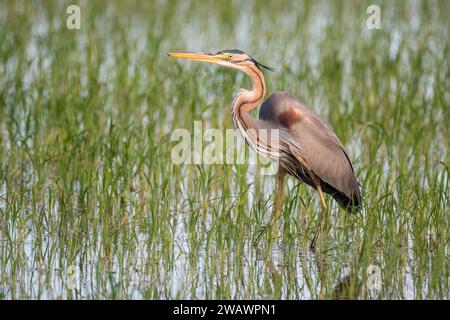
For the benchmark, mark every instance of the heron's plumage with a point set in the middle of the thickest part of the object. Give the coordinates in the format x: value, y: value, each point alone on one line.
x: 290, y: 133
x: 317, y: 144
x: 306, y: 147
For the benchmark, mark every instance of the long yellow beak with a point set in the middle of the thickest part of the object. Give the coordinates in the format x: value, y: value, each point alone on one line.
x: 204, y: 57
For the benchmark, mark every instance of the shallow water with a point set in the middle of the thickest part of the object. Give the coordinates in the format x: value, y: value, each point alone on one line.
x: 92, y: 207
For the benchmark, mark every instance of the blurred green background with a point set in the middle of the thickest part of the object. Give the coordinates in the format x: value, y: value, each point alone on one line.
x: 88, y: 190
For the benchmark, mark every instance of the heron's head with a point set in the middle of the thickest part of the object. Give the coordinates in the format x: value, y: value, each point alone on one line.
x: 233, y: 58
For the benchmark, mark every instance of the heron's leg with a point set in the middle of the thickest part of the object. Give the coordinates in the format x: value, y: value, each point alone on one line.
x: 324, y: 217
x: 278, y: 202
x: 279, y: 195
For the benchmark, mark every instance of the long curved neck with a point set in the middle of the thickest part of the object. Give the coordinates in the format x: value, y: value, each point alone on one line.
x: 247, y: 100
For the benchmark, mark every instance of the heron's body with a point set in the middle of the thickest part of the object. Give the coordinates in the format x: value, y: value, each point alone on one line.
x: 325, y: 154
x: 305, y: 147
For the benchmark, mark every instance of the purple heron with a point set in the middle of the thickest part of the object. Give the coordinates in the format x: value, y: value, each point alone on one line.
x: 306, y: 147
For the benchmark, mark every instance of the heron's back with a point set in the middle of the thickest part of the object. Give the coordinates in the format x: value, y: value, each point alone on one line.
x: 313, y: 140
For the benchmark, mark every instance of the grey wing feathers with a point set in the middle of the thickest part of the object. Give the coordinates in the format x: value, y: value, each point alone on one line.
x: 317, y: 145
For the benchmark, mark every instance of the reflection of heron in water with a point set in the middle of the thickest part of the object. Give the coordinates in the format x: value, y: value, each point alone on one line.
x: 307, y: 148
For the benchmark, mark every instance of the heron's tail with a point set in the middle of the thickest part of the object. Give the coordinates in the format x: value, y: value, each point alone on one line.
x: 351, y: 203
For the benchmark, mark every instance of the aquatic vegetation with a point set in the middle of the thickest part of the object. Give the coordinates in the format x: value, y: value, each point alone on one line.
x: 88, y: 190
